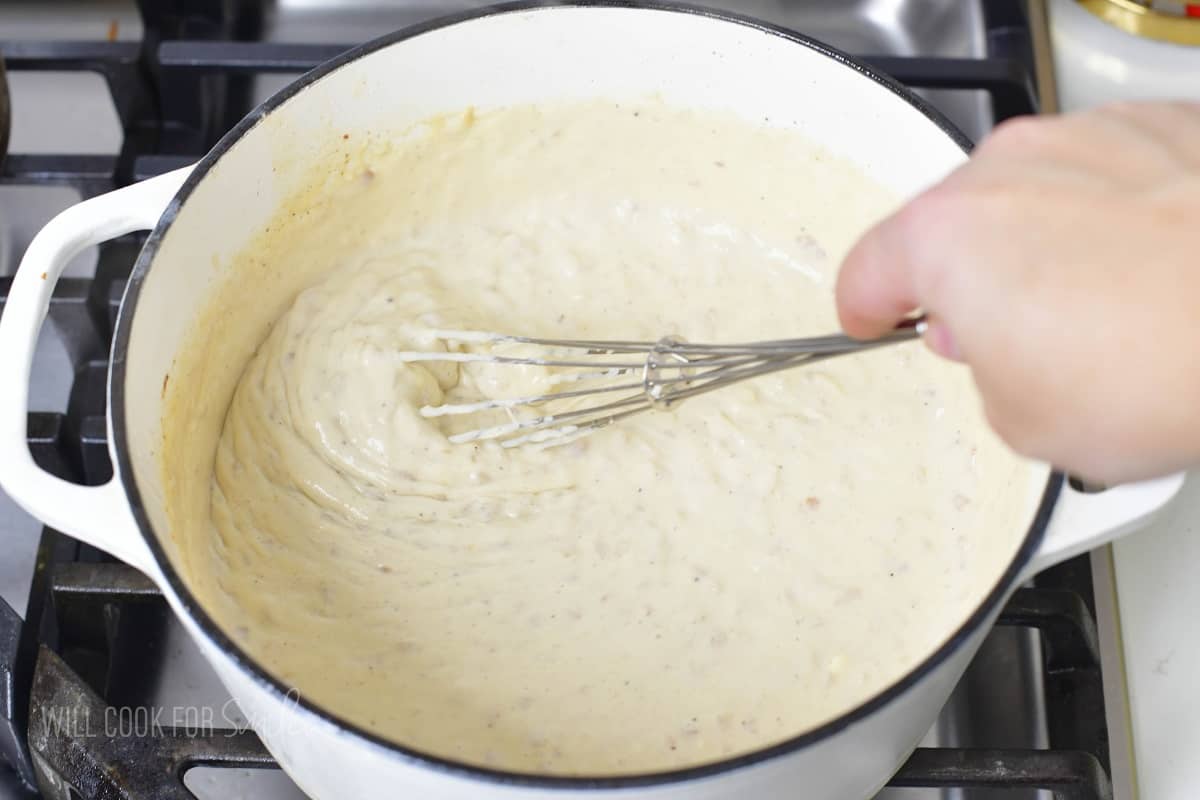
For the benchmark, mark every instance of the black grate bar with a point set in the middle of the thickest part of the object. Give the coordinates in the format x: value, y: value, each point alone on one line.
x: 928, y: 73
x: 1068, y: 628
x: 91, y: 174
x: 49, y: 443
x: 246, y: 57
x: 1069, y: 774
x: 114, y: 583
x: 1008, y: 81
x: 150, y: 166
x: 97, y: 56
x: 117, y: 62
x: 951, y: 73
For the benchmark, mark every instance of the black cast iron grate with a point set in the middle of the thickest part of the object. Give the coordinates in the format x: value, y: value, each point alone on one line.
x: 103, y: 610
x: 176, y: 92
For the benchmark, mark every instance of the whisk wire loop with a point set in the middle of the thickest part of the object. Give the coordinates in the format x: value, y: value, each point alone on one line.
x: 659, y: 376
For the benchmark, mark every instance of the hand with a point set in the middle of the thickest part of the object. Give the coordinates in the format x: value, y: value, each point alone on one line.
x: 1062, y: 265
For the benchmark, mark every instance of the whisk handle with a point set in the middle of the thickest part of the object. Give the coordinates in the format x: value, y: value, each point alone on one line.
x: 911, y: 328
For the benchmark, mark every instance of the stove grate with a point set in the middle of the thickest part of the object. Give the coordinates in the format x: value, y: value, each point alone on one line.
x: 72, y: 740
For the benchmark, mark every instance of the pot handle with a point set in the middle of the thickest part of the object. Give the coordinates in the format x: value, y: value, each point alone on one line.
x: 97, y: 515
x: 1083, y: 520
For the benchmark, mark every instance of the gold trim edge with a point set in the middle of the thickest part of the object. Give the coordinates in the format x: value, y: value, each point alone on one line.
x: 1147, y: 23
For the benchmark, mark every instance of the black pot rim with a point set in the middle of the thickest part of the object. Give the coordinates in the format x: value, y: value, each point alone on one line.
x: 464, y: 770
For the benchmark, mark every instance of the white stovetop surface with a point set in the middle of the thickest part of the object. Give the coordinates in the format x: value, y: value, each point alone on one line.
x: 1158, y: 593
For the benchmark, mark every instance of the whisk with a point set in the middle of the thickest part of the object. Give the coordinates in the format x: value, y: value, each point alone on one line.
x: 641, y: 376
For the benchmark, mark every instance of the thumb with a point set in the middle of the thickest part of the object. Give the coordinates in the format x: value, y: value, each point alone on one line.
x: 876, y: 287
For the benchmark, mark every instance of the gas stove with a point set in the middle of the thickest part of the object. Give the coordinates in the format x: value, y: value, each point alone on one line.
x: 101, y: 693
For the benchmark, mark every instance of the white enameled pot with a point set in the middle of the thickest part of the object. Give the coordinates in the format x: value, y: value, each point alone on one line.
x: 201, y: 216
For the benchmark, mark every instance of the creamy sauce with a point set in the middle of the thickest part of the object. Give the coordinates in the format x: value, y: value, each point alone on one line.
x: 681, y: 587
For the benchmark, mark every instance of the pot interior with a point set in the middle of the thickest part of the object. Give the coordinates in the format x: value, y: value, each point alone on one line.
x: 206, y: 291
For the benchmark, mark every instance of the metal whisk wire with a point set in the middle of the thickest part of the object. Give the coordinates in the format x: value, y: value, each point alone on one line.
x: 669, y: 371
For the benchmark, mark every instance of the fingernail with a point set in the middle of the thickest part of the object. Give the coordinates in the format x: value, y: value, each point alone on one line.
x: 941, y: 341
